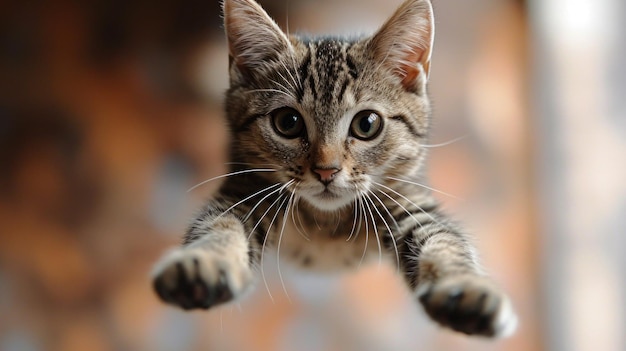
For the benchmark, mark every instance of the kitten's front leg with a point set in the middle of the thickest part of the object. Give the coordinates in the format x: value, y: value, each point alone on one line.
x: 450, y: 285
x: 212, y: 267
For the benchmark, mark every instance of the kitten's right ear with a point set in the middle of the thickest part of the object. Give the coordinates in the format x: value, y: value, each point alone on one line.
x: 253, y: 37
x: 404, y: 43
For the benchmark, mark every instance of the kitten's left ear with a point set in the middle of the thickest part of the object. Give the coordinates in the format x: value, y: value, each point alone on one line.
x: 253, y: 37
x: 404, y: 43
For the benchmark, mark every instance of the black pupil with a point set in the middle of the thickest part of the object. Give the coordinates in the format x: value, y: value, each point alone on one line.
x: 367, y: 123
x: 289, y: 122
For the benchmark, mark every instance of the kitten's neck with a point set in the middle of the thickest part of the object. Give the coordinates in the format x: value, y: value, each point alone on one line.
x: 330, y: 222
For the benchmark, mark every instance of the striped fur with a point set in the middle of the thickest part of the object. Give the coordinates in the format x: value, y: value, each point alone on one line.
x: 328, y: 198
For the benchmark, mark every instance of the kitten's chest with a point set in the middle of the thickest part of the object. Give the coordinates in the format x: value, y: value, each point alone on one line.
x: 338, y: 243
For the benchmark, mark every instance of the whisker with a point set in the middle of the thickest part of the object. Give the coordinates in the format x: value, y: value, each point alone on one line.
x: 386, y: 210
x: 291, y: 87
x: 293, y: 79
x: 358, y: 230
x: 263, y: 216
x: 264, y: 240
x: 337, y: 222
x: 285, y: 91
x: 425, y: 187
x: 299, y: 77
x: 366, y: 231
x: 296, y: 208
x: 315, y: 220
x: 231, y: 174
x: 280, y: 238
x: 247, y: 198
x: 354, y: 223
x: 414, y: 204
x: 399, y: 204
x: 369, y: 209
x: 445, y: 143
x: 266, y: 211
x: 270, y: 91
x: 269, y: 228
x: 393, y: 238
x: 245, y: 219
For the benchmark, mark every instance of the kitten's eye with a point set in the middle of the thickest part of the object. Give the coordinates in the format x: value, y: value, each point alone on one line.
x: 366, y: 125
x: 287, y: 122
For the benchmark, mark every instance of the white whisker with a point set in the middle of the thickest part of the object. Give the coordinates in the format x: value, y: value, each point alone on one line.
x: 293, y: 79
x: 246, y: 199
x: 315, y: 220
x: 293, y: 60
x: 290, y: 84
x: 280, y: 238
x: 263, y: 216
x: 245, y: 219
x: 354, y: 223
x: 296, y: 210
x: 267, y: 234
x: 445, y: 143
x: 264, y: 240
x: 399, y: 204
x: 270, y: 91
x: 285, y: 91
x: 366, y: 231
x: 337, y: 223
x: 231, y: 174
x: 369, y: 209
x: 393, y: 239
x: 412, y: 203
x: 425, y: 187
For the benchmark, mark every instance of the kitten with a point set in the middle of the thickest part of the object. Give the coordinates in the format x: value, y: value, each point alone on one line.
x: 326, y: 146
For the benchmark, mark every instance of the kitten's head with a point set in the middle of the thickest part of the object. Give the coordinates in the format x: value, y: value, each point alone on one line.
x: 337, y: 116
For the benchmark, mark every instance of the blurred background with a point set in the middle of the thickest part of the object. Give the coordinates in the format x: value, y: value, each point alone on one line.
x: 110, y: 110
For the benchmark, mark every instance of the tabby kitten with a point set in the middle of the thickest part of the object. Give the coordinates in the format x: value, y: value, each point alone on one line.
x: 327, y: 142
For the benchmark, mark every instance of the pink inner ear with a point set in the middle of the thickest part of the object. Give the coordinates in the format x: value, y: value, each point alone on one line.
x: 411, y: 69
x: 411, y: 72
x: 404, y: 42
x: 253, y: 37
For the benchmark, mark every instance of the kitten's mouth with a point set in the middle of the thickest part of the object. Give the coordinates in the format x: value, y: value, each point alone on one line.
x: 328, y: 200
x: 328, y: 194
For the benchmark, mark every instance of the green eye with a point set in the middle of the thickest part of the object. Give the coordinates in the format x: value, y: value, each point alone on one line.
x: 366, y: 125
x: 287, y: 122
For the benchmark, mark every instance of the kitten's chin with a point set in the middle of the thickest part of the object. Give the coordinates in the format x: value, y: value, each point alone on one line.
x: 328, y: 201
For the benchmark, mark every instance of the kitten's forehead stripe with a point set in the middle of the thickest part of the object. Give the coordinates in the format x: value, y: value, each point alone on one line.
x: 327, y: 70
x: 303, y: 73
x: 351, y: 67
x: 344, y: 86
x: 312, y: 86
x: 328, y: 64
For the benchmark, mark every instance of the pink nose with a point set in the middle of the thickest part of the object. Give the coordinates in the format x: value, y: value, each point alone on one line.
x: 326, y: 175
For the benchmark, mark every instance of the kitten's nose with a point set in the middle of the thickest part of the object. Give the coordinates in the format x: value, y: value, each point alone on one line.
x: 326, y: 175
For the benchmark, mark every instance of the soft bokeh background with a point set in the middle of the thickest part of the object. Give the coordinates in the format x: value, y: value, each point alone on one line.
x: 110, y: 110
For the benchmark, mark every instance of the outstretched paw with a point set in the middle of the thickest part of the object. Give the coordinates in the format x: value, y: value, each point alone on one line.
x: 193, y: 278
x: 469, y: 304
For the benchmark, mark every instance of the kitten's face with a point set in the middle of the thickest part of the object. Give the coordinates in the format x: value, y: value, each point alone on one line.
x: 335, y: 118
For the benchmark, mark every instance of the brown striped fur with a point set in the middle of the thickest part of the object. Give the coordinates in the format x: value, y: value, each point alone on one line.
x: 329, y: 197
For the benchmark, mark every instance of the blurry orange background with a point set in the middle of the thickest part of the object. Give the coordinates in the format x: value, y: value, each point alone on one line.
x: 110, y: 110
